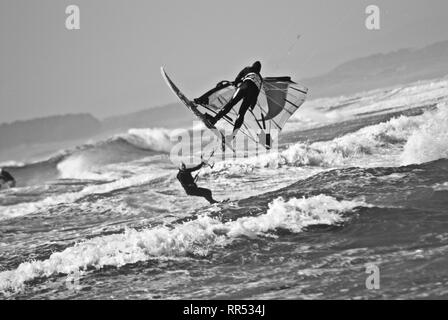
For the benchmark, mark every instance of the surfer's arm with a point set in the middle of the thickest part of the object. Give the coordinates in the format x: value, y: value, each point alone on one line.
x: 199, y: 166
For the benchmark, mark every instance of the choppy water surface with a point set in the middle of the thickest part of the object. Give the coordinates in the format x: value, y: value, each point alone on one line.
x: 357, y: 180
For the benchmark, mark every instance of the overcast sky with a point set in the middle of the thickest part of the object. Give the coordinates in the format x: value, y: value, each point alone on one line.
x: 111, y: 65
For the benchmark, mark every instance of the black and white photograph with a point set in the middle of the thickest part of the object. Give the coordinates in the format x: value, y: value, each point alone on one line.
x: 242, y: 151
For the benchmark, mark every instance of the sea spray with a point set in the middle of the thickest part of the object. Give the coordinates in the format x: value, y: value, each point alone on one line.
x: 157, y: 139
x: 430, y: 141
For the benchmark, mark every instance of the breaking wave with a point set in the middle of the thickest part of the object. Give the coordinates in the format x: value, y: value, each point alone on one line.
x: 11, y: 164
x: 368, y: 141
x: 22, y: 209
x: 323, y: 111
x: 86, y: 161
x: 193, y: 237
x: 430, y: 141
x: 80, y: 167
x: 151, y: 139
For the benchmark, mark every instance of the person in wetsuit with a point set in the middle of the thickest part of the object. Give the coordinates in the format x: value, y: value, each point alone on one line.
x: 189, y: 183
x: 248, y: 83
x: 6, y: 179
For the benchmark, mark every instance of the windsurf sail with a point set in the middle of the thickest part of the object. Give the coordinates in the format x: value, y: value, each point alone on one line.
x: 279, y: 98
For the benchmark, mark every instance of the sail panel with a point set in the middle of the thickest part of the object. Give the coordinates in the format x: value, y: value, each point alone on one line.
x: 278, y: 100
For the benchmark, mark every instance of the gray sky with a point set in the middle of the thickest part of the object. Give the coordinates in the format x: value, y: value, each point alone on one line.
x: 111, y: 66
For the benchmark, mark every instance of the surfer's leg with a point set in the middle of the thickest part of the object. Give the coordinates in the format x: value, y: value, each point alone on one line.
x: 207, y: 194
x: 247, y: 102
x: 202, y: 192
x: 239, y: 94
x: 250, y: 100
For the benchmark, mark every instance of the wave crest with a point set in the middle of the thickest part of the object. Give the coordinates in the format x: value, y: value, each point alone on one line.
x: 156, y: 139
x: 371, y: 140
x: 191, y: 237
x: 430, y: 141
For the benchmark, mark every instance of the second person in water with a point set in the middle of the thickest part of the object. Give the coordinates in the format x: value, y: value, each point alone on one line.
x: 189, y: 183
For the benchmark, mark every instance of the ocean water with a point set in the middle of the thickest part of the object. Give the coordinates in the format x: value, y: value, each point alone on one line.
x: 358, y: 180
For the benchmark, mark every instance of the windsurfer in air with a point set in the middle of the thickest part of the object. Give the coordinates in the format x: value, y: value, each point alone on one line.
x: 248, y: 83
x: 189, y: 183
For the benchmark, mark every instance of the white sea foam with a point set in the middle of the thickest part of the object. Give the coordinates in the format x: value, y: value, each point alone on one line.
x: 191, y: 237
x: 385, y: 138
x: 87, y: 161
x: 79, y: 166
x: 22, y: 209
x: 156, y: 139
x: 430, y: 141
x: 441, y: 186
x: 323, y: 111
x: 293, y: 215
x: 11, y: 164
x: 368, y: 141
